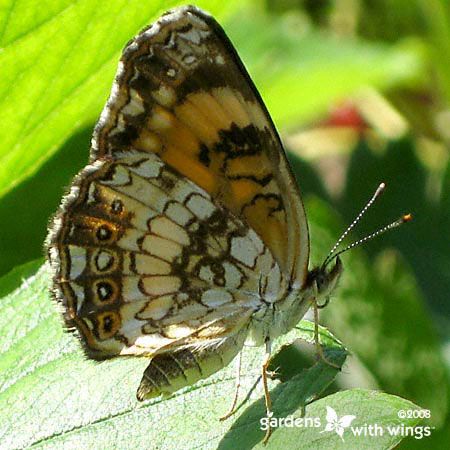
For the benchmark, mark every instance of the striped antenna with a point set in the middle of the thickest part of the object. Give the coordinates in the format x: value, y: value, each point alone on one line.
x: 333, y: 254
x: 405, y: 218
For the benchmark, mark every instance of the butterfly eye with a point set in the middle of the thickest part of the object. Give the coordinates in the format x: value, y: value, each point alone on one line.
x: 320, y: 281
x: 324, y: 303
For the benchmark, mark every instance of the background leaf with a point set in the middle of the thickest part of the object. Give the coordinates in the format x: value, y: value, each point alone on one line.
x: 92, y: 405
x: 63, y: 58
x: 314, y: 63
x: 369, y: 407
x: 390, y: 330
x: 49, y: 129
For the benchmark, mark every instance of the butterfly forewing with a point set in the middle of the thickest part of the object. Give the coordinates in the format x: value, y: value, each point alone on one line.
x: 183, y: 93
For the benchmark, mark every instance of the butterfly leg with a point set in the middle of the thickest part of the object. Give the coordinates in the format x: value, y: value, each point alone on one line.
x: 233, y: 408
x: 319, y: 348
x: 266, y: 388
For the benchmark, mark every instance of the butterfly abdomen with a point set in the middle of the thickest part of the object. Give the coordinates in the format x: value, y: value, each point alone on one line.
x: 168, y: 372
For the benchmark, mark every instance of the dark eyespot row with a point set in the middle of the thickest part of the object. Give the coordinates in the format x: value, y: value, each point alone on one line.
x: 104, y: 260
x: 105, y: 291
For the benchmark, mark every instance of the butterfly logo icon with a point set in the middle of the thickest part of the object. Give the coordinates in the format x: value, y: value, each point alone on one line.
x: 336, y: 424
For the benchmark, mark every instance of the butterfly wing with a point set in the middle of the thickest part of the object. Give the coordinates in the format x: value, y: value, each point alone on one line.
x: 188, y: 219
x: 198, y: 358
x: 183, y: 93
x: 145, y: 262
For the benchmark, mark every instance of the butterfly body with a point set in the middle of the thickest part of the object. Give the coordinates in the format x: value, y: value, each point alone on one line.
x: 185, y: 237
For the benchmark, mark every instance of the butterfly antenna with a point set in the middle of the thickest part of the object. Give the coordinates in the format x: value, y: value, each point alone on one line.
x: 331, y: 255
x: 405, y: 218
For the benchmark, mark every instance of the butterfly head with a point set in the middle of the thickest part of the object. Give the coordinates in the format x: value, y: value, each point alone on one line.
x: 323, y: 280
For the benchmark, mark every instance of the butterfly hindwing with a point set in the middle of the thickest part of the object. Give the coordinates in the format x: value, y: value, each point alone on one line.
x: 200, y: 358
x: 145, y: 261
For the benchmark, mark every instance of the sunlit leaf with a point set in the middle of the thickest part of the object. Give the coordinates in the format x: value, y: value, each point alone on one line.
x: 60, y: 59
x: 53, y: 397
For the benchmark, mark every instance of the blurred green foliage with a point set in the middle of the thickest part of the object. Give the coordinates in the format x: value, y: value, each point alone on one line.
x: 308, y: 58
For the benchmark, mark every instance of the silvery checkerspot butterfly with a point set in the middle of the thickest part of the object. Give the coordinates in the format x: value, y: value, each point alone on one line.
x: 185, y: 237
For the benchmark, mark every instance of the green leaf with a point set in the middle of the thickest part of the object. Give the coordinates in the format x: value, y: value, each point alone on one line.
x: 53, y: 397
x: 300, y: 390
x: 301, y: 71
x: 369, y: 407
x: 40, y: 195
x: 15, y: 278
x: 60, y: 59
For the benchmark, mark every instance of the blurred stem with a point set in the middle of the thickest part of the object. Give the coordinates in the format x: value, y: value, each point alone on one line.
x: 437, y: 15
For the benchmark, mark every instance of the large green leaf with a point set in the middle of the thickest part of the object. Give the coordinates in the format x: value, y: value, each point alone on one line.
x: 63, y: 57
x: 370, y: 408
x: 53, y: 397
x: 58, y: 61
x: 301, y: 389
x: 299, y: 70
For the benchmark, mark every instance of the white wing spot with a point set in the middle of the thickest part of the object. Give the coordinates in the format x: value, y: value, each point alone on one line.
x: 189, y: 59
x: 157, y: 308
x: 200, y: 206
x: 243, y: 250
x: 206, y: 274
x: 149, y: 265
x: 162, y: 248
x: 178, y: 213
x: 160, y: 285
x: 166, y: 228
x: 216, y: 297
x: 134, y: 107
x: 148, y: 169
x: 77, y: 261
x: 165, y: 96
x: 233, y: 277
x: 220, y: 60
x: 91, y: 193
x: 104, y: 260
x: 79, y: 294
x: 273, y: 285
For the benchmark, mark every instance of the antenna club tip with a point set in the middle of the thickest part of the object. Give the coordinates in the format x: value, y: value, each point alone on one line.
x: 379, y: 190
x: 407, y: 218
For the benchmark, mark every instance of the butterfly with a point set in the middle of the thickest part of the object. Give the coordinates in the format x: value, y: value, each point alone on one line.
x: 185, y: 237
